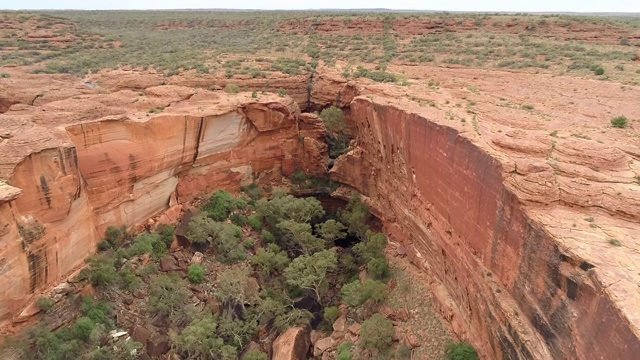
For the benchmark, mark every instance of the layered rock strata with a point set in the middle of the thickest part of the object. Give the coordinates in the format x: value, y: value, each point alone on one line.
x: 502, y: 278
x: 71, y: 177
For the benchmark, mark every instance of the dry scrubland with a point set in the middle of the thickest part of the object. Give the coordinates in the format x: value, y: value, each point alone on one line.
x: 365, y: 300
x: 241, y: 44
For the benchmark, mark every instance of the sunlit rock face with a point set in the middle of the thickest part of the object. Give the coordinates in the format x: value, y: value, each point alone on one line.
x: 501, y: 279
x: 124, y: 168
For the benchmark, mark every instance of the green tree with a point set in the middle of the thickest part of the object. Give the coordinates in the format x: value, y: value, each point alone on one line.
x: 270, y: 260
x: 333, y: 119
x: 310, y: 272
x: 331, y: 230
x: 287, y: 207
x: 198, y: 340
x: 356, y: 293
x: 101, y: 270
x: 377, y: 333
x: 378, y: 268
x: 168, y: 295
x: 256, y: 355
x: 356, y: 217
x: 301, y: 236
x: 201, y: 229
x: 372, y: 247
x: 235, y: 286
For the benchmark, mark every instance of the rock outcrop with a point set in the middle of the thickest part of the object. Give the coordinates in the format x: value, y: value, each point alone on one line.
x: 293, y: 344
x: 74, y: 167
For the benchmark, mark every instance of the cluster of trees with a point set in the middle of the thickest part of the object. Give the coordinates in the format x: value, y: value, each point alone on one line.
x: 272, y: 253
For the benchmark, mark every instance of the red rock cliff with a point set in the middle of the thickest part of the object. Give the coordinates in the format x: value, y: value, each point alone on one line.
x: 98, y: 161
x: 502, y: 280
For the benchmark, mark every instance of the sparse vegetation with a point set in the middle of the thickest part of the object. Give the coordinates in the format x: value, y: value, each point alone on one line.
x: 619, y: 122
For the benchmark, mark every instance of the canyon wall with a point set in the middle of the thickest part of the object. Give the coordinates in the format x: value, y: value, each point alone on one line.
x: 123, y: 169
x: 500, y: 279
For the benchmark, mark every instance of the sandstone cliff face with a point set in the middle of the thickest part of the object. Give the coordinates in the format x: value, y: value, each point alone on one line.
x: 501, y: 278
x: 125, y: 166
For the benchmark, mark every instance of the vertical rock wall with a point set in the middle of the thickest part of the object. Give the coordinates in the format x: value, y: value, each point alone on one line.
x: 500, y: 278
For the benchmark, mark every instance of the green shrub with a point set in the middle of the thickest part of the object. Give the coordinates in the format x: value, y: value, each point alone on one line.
x: 377, y: 333
x: 166, y: 233
x: 597, y: 70
x: 461, y: 351
x: 168, y: 295
x: 238, y: 219
x: 270, y: 259
x: 379, y: 268
x: 253, y: 191
x: 101, y: 270
x: 248, y: 244
x: 254, y: 94
x: 356, y: 293
x: 620, y: 122
x: 232, y: 89
x: 220, y: 205
x: 129, y: 280
x: 268, y: 237
x: 5, y: 75
x: 82, y: 328
x: 255, y: 222
x: 282, y: 92
x: 195, y: 273
x: 198, y: 340
x: 45, y: 303
x: 344, y: 351
x: 299, y: 177
x: 331, y: 314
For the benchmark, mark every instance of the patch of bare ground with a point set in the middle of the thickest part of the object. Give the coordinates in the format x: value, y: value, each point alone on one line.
x: 411, y: 292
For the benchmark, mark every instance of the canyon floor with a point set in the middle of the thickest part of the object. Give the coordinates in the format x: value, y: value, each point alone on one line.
x: 487, y: 145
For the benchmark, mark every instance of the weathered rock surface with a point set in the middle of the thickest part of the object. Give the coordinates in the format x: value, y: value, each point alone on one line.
x: 293, y: 344
x: 73, y: 167
x: 517, y: 270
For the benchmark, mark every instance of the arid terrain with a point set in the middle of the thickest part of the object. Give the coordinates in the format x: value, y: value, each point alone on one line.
x: 495, y: 154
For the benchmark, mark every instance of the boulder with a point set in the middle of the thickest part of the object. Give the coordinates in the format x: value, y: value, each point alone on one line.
x: 140, y: 334
x: 168, y: 263
x: 323, y: 345
x: 197, y: 258
x: 293, y: 344
x: 157, y: 345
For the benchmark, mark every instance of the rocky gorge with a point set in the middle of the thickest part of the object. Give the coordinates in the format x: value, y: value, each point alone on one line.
x: 494, y: 210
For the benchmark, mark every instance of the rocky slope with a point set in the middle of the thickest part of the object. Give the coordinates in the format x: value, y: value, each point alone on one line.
x: 510, y: 201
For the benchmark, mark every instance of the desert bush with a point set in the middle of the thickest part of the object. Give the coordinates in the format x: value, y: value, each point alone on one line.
x: 198, y: 340
x: 253, y: 191
x: 255, y: 222
x: 231, y: 88
x: 45, y: 303
x: 282, y: 92
x: 220, y: 205
x: 357, y: 293
x: 619, y: 122
x: 344, y: 351
x: 168, y: 295
x: 195, y: 273
x: 461, y: 351
x: 238, y: 219
x: 101, y: 270
x: 376, y: 333
x: 331, y: 314
x: 378, y: 268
